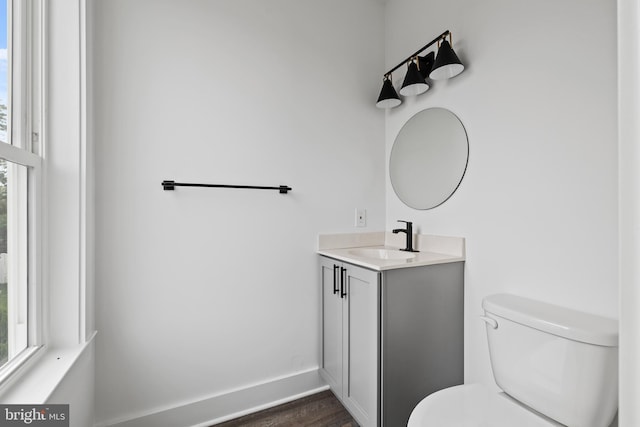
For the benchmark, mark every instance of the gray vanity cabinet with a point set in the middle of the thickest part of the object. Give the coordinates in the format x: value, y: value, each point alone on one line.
x: 390, y: 338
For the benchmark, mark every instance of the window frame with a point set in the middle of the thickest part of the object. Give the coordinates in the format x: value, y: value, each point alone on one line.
x: 25, y: 113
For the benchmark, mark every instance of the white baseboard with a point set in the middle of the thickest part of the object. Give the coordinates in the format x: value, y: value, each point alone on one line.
x: 227, y: 406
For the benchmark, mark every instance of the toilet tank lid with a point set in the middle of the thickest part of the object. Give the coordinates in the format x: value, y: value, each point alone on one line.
x: 572, y: 324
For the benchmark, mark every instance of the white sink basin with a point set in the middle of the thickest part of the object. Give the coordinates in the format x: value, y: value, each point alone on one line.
x: 382, y: 253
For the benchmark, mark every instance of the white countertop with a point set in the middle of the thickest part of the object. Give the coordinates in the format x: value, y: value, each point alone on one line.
x: 432, y: 249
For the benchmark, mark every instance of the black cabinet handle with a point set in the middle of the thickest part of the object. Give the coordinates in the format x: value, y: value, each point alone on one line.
x: 342, y: 287
x: 335, y: 279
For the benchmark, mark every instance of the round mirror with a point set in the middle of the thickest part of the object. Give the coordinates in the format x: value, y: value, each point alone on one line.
x: 429, y: 158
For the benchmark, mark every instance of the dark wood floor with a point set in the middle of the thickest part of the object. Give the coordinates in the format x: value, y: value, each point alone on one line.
x: 317, y: 410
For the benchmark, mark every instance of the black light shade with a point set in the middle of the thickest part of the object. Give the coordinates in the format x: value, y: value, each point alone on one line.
x: 388, y: 97
x: 447, y: 64
x: 414, y: 83
x: 425, y: 64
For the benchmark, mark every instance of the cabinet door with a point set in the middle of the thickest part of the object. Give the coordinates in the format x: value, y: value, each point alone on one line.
x: 332, y: 352
x: 361, y: 373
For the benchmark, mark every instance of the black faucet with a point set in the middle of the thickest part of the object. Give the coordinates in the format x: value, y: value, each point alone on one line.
x: 409, y: 232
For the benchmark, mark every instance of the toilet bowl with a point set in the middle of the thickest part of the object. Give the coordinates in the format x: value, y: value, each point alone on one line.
x: 474, y: 405
x: 556, y: 366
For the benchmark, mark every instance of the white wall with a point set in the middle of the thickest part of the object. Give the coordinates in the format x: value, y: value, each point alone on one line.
x: 538, y: 204
x: 200, y: 291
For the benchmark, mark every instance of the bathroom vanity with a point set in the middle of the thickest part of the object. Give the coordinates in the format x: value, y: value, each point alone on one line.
x: 392, y: 323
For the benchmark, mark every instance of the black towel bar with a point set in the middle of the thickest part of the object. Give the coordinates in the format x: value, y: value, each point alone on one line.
x: 171, y: 185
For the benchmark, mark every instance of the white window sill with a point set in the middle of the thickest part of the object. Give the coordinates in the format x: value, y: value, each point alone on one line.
x: 34, y: 382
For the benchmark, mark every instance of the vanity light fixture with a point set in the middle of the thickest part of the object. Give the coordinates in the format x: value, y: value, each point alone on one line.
x: 444, y: 65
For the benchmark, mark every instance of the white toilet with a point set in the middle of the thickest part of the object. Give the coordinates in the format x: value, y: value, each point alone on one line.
x: 556, y: 366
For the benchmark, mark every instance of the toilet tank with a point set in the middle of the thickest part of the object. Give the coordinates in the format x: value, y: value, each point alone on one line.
x: 561, y: 362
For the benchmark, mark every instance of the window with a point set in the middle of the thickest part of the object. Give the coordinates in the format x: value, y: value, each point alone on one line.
x: 13, y: 254
x: 20, y: 166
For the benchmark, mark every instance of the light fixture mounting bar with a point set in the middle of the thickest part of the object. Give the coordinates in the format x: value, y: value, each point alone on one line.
x: 431, y: 43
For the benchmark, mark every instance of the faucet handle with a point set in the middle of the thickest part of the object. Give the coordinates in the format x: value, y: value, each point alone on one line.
x: 406, y: 222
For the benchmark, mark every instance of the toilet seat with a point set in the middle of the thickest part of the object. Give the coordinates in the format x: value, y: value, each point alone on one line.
x: 474, y: 405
